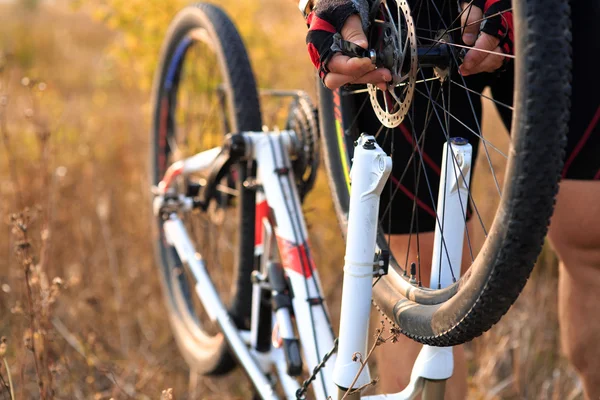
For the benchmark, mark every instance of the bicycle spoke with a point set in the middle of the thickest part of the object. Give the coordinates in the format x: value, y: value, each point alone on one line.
x: 483, y: 95
x: 406, y: 43
x: 463, y: 27
x: 467, y: 47
x: 463, y: 207
x: 387, y: 10
x: 442, y: 192
x: 468, y: 186
x: 455, y: 167
x: 475, y: 117
x: 379, y: 131
x: 392, y: 92
x: 352, y: 92
x: 469, y: 5
x: 403, y: 174
x: 432, y: 198
x: 360, y: 109
x: 479, y: 21
x: 464, y: 125
x: 438, y: 92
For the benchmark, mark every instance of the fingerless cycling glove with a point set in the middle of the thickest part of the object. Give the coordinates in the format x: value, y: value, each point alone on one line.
x: 327, y: 19
x: 498, y: 21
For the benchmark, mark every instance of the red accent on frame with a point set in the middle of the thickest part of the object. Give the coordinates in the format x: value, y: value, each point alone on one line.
x: 262, y: 211
x: 172, y: 172
x: 295, y: 257
x: 337, y: 106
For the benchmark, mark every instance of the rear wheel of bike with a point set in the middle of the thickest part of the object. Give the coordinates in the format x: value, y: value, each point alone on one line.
x: 204, y: 88
x: 430, y: 102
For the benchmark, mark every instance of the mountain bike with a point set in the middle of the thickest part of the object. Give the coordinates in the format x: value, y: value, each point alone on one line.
x: 239, y: 279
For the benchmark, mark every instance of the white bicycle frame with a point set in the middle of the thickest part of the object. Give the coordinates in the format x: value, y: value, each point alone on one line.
x: 280, y: 225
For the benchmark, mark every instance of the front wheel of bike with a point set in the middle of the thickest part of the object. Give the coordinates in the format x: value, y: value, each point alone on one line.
x: 429, y: 102
x: 204, y: 88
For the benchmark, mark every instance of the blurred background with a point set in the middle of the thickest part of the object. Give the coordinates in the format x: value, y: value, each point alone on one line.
x: 80, y: 304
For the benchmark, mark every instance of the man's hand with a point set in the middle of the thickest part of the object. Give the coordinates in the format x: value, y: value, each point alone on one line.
x: 344, y: 69
x: 349, y: 19
x: 491, y: 43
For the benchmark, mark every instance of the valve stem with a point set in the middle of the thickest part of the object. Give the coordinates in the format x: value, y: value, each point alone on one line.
x: 413, y: 273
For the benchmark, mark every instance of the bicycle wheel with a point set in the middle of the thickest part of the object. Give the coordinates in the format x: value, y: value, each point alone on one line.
x: 204, y: 88
x: 429, y: 102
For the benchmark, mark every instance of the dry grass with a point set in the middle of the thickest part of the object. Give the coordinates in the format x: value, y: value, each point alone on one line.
x: 80, y: 304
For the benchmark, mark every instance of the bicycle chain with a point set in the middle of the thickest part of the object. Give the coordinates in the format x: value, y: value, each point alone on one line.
x: 305, y: 385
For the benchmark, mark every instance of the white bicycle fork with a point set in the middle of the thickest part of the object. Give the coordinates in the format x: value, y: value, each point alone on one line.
x: 370, y: 170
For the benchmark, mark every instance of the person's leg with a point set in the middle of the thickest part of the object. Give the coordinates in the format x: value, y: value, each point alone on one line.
x: 575, y: 235
x: 575, y: 228
x: 395, y: 360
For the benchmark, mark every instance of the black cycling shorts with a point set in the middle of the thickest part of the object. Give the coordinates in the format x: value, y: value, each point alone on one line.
x: 582, y: 159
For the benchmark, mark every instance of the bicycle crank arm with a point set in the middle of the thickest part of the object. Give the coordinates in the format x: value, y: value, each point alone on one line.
x: 176, y: 235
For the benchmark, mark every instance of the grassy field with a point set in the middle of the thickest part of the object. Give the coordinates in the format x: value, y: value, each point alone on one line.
x: 81, y: 312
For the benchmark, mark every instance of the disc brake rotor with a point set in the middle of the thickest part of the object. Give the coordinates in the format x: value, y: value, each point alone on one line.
x: 398, y: 49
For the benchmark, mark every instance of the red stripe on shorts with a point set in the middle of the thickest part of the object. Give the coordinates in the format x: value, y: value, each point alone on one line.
x: 427, y: 159
x: 582, y: 141
x: 412, y: 197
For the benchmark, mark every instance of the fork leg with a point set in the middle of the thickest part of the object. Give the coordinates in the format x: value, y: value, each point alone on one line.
x: 369, y: 173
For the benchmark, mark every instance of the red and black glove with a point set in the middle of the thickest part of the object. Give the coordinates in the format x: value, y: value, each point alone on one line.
x: 498, y: 22
x: 327, y: 19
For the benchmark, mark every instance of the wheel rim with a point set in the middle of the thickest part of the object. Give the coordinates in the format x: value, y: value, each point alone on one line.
x: 194, y: 117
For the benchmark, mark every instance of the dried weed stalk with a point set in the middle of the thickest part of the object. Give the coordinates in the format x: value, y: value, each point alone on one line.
x: 8, y: 384
x: 357, y: 357
x: 40, y: 293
